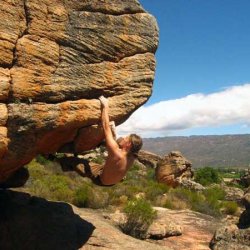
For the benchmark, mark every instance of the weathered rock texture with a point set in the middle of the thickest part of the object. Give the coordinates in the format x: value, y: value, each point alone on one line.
x: 149, y: 159
x: 173, y: 169
x: 33, y: 223
x: 56, y: 58
x: 232, y: 236
x: 182, y: 229
x: 245, y: 179
x: 244, y: 221
x: 233, y: 193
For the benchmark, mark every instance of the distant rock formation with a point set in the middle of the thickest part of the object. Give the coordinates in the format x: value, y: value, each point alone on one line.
x: 173, y: 169
x: 56, y: 59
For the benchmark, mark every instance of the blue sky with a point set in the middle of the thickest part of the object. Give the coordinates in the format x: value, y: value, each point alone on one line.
x: 204, y: 52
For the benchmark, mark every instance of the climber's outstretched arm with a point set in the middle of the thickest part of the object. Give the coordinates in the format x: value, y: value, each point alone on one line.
x: 111, y: 143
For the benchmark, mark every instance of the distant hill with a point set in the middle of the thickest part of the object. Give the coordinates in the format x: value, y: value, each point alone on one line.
x: 214, y: 151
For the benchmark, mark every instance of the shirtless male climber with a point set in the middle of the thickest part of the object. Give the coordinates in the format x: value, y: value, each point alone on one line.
x: 121, y: 154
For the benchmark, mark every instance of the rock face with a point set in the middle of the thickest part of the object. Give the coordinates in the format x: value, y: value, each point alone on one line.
x: 182, y: 229
x: 231, y: 236
x: 245, y: 179
x: 149, y: 159
x: 173, y: 169
x: 244, y: 221
x: 56, y: 58
x: 233, y: 193
x: 33, y: 223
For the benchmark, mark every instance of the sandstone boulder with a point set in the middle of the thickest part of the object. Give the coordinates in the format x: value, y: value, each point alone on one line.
x: 56, y: 58
x: 192, y: 185
x: 233, y: 193
x: 173, y: 169
x: 29, y: 223
x: 244, y: 221
x: 149, y: 159
x: 245, y: 179
x: 230, y: 237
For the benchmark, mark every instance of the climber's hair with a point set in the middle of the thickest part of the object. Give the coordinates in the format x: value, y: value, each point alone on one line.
x: 136, y: 144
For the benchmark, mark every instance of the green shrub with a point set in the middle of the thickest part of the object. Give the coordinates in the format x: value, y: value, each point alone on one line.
x: 81, y: 196
x: 212, y: 201
x: 53, y: 187
x: 42, y: 160
x: 36, y: 170
x: 207, y: 175
x: 230, y: 207
x: 206, y: 202
x: 214, y: 193
x: 191, y: 197
x: 169, y: 204
x: 154, y: 189
x: 140, y: 216
x: 97, y: 198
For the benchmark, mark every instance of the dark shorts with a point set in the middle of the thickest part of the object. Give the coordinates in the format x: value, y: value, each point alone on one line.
x: 84, y: 168
x: 98, y: 182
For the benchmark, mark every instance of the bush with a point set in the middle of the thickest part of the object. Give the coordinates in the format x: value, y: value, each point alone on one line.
x: 207, y: 175
x: 154, y: 189
x: 214, y: 193
x: 36, y: 170
x: 81, y: 196
x: 140, y: 216
x: 230, y: 207
x: 53, y: 187
x: 206, y: 202
x: 212, y: 204
x: 97, y: 198
x: 190, y: 197
x: 42, y: 160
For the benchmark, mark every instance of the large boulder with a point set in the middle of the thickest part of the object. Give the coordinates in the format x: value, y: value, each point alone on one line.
x: 30, y: 223
x: 245, y: 179
x: 233, y: 193
x: 149, y: 159
x: 244, y: 221
x: 173, y: 169
x: 56, y: 58
x: 230, y: 237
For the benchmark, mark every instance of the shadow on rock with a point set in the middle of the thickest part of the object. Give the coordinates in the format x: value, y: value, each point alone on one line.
x: 29, y: 223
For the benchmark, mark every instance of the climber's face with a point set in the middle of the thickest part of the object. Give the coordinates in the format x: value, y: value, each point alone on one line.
x: 124, y: 142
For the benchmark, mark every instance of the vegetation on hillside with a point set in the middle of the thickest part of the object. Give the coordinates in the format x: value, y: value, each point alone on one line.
x: 206, y: 176
x: 48, y: 181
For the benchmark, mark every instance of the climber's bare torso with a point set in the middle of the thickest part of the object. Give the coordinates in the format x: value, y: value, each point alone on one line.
x: 116, y: 166
x: 118, y: 161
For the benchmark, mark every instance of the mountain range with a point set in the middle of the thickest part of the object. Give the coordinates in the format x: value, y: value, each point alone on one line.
x: 209, y: 150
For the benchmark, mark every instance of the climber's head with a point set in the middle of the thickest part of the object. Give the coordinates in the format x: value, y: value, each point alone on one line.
x: 131, y: 143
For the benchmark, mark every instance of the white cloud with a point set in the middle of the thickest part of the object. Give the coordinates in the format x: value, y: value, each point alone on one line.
x: 230, y: 106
